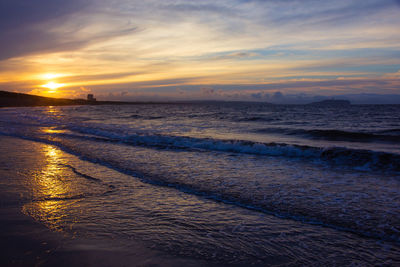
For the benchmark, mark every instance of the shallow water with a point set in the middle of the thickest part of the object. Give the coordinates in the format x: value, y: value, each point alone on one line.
x: 228, y: 183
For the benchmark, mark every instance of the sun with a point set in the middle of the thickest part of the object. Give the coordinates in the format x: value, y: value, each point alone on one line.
x: 52, y: 86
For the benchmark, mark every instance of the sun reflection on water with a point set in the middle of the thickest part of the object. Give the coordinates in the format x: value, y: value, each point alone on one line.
x: 50, y: 187
x: 53, y: 112
x: 52, y: 130
x: 51, y: 179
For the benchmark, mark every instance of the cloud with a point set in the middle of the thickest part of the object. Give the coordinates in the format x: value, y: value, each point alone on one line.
x: 45, y: 26
x: 393, y: 75
x: 207, y: 91
x: 197, y: 7
x: 24, y: 25
x: 236, y: 55
x: 97, y: 77
x: 210, y: 26
x: 17, y: 14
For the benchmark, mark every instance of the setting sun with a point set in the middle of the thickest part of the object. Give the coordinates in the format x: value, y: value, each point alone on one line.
x: 52, y: 86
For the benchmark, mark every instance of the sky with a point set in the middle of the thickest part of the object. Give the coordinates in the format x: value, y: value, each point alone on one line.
x: 162, y: 50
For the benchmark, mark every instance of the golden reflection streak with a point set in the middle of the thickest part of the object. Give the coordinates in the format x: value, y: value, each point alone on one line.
x: 51, y: 178
x: 50, y: 186
x: 51, y: 131
x: 53, y: 111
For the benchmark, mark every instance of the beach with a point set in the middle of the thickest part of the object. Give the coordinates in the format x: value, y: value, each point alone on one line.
x: 199, y: 133
x: 26, y: 242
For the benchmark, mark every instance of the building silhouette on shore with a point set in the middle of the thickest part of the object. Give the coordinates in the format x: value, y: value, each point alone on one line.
x: 90, y: 97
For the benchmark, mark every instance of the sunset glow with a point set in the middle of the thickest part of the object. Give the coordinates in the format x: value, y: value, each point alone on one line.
x: 50, y: 76
x: 52, y: 86
x: 175, y: 49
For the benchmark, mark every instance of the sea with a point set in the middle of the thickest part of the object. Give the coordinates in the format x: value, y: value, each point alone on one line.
x: 230, y: 183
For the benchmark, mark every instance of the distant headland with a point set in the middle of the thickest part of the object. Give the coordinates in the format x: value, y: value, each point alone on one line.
x: 331, y: 102
x: 10, y: 99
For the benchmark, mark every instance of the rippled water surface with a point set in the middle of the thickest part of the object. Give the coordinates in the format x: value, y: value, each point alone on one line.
x: 231, y: 183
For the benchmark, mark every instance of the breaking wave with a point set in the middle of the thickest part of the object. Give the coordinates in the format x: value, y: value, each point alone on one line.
x: 390, y: 136
x: 356, y: 158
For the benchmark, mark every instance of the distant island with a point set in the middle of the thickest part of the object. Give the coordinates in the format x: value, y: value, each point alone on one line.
x: 10, y: 99
x: 331, y: 102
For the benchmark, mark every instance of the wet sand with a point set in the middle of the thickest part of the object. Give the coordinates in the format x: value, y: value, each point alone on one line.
x: 23, y: 241
x: 26, y: 242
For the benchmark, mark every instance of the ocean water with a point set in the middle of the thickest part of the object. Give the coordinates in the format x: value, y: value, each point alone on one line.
x: 229, y: 183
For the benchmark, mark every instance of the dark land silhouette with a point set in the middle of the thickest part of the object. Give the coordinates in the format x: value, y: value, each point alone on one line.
x: 332, y: 102
x: 10, y: 99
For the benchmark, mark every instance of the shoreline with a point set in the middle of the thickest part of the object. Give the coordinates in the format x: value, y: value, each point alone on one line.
x: 26, y: 242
